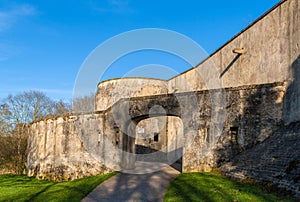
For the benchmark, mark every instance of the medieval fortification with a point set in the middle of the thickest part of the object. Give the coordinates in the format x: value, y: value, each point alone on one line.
x: 249, y: 129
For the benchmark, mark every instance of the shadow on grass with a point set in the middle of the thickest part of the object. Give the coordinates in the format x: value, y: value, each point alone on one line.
x: 40, y: 192
x: 211, y: 187
x: 23, y: 188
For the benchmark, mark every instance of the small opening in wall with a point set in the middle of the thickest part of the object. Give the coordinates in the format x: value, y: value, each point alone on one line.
x: 207, y: 135
x: 156, y: 137
x: 234, y: 134
x: 99, y: 137
x: 117, y: 136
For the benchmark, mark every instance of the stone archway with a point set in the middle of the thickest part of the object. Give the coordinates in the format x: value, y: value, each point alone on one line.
x: 160, y: 139
x: 167, y: 152
x: 128, y: 113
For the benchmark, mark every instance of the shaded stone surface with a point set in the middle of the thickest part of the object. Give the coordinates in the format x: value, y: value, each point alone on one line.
x: 134, y: 187
x: 276, y: 160
x: 90, y: 144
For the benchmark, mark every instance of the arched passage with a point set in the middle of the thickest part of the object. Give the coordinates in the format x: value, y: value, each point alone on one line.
x: 159, y: 148
x: 129, y: 113
x: 159, y: 139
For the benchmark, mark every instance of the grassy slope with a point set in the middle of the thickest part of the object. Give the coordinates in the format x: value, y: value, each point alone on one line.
x: 213, y: 187
x: 22, y: 188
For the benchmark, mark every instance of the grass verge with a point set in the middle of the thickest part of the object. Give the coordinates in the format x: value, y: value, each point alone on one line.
x: 23, y: 188
x: 214, y: 187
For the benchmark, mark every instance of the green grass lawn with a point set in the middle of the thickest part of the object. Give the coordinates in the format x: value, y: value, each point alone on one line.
x: 214, y: 187
x: 23, y: 188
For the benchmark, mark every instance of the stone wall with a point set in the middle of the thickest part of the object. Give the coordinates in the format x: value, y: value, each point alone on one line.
x: 253, y: 114
x: 110, y: 91
x: 75, y: 146
x: 271, y: 44
x: 275, y: 160
x: 57, y: 152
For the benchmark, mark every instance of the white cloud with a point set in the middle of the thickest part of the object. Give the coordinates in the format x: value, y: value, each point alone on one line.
x: 9, y: 17
x: 114, y: 6
x: 56, y: 91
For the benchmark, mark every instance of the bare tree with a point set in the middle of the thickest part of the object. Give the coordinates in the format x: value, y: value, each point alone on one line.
x: 61, y: 107
x: 13, y: 150
x: 5, y: 123
x: 16, y: 111
x: 84, y: 104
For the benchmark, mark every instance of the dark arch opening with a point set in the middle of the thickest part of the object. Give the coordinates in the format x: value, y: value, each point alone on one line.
x: 160, y: 139
x: 164, y: 146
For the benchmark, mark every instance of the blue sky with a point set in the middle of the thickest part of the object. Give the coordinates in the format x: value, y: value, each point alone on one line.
x: 43, y: 43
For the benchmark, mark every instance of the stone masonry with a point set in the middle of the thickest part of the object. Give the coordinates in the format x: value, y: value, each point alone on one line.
x: 247, y: 125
